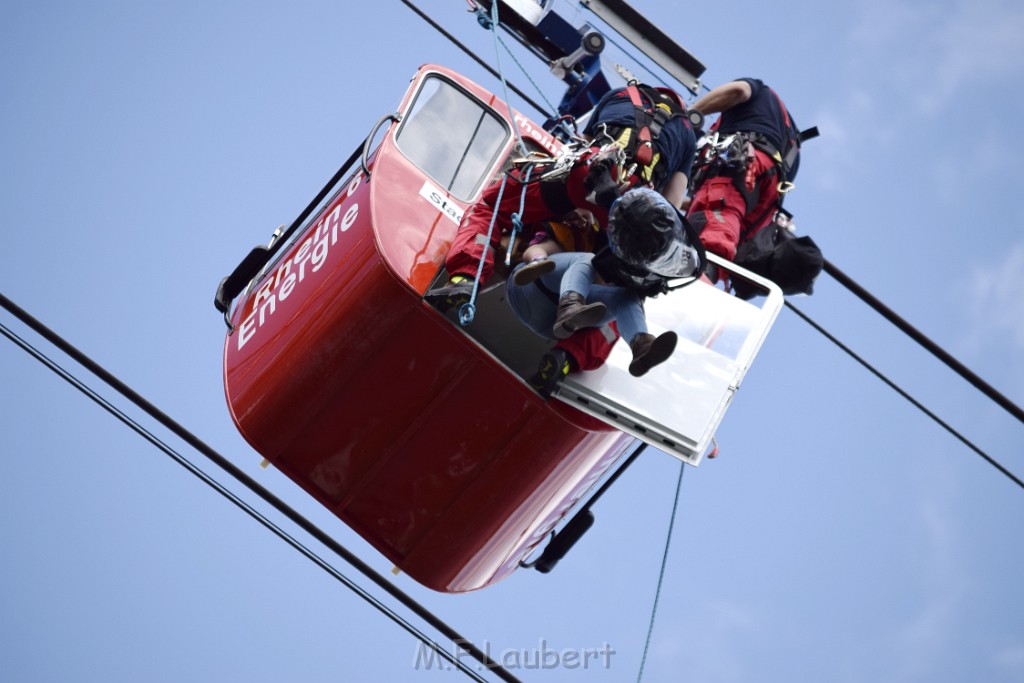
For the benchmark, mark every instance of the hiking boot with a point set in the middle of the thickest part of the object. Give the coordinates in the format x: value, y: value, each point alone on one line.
x: 649, y: 351
x: 575, y: 313
x: 452, y: 295
x: 533, y: 270
x: 554, y: 366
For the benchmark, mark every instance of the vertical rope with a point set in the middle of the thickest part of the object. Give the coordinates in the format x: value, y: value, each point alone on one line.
x: 661, y: 574
x: 501, y: 75
x: 467, y: 311
x: 529, y: 77
x: 517, y: 218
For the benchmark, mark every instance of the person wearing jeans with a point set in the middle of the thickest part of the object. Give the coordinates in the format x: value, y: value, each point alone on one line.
x: 566, y: 300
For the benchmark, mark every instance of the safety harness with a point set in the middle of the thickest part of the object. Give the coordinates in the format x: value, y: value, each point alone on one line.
x: 730, y: 154
x: 653, y: 109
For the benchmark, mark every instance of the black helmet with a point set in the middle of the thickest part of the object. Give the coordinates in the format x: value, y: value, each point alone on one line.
x: 646, y: 231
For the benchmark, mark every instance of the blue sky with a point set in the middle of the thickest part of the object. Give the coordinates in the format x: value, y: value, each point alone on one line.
x: 840, y: 536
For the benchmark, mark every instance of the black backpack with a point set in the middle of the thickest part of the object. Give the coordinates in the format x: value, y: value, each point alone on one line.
x: 793, y: 263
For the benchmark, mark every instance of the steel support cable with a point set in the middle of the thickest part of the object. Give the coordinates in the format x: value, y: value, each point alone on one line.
x: 254, y: 486
x: 912, y: 332
x: 238, y: 502
x: 917, y: 404
x: 491, y: 70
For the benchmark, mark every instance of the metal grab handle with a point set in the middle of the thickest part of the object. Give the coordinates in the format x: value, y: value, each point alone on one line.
x: 396, y: 117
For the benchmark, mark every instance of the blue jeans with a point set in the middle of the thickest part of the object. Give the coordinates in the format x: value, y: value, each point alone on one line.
x: 574, y: 273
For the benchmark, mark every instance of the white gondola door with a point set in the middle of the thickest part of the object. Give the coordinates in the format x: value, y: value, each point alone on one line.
x: 677, y: 406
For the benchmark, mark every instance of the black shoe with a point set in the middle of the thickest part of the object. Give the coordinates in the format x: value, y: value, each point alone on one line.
x: 554, y: 366
x: 533, y: 270
x: 575, y: 313
x: 649, y: 351
x: 452, y: 295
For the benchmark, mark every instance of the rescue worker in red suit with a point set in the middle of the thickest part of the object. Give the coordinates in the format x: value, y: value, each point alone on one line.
x: 731, y: 204
x: 588, y: 186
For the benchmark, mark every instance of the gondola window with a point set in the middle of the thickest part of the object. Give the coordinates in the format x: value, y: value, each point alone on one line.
x: 452, y: 137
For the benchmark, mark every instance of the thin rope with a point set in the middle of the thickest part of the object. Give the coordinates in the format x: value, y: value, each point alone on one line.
x: 467, y: 311
x: 233, y: 498
x: 526, y: 73
x: 661, y: 573
x: 501, y: 75
x: 517, y: 218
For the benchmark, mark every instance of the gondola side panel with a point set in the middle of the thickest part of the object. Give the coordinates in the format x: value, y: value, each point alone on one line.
x: 295, y: 333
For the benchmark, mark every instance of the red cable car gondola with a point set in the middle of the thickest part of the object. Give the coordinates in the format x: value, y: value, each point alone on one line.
x: 422, y: 436
x: 425, y: 440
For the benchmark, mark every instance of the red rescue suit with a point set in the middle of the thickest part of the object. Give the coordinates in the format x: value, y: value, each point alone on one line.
x: 725, y: 215
x: 542, y: 201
